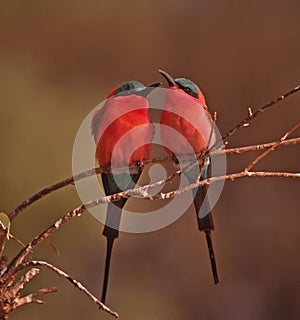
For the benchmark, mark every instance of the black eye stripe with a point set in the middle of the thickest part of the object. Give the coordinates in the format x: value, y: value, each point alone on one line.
x: 188, y: 87
x: 191, y: 92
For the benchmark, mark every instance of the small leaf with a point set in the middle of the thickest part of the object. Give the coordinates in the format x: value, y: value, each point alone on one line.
x: 4, y: 220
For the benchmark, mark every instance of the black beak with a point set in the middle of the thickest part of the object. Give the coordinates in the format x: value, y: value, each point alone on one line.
x: 145, y: 92
x: 169, y: 78
x: 155, y: 85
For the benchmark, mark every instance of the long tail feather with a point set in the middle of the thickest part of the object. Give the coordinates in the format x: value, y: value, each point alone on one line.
x: 113, y: 218
x: 206, y: 224
x: 212, y: 257
x: 112, y: 222
x: 110, y: 241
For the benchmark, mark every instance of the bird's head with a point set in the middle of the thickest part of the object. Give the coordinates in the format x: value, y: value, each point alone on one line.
x: 186, y: 85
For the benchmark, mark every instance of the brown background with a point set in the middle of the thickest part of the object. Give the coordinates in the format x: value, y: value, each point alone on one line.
x: 58, y: 61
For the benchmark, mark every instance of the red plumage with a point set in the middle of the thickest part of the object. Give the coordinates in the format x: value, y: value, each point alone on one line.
x: 127, y: 117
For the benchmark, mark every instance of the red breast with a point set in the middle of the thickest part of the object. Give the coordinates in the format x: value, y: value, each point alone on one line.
x: 123, y: 130
x: 190, y: 118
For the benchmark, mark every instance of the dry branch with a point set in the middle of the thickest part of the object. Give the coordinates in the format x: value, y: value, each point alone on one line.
x: 76, y: 283
x: 260, y: 110
x: 230, y: 177
x: 39, y: 195
x: 11, y: 294
x: 274, y: 146
x: 19, y: 263
x: 19, y: 285
x: 32, y: 297
x: 18, y: 260
x: 10, y: 287
x: 88, y: 173
x: 258, y: 147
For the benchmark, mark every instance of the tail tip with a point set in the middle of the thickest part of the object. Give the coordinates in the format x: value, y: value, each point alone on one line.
x: 216, y: 279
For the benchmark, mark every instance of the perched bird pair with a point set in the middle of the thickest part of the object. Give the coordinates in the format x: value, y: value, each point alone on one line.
x: 125, y: 116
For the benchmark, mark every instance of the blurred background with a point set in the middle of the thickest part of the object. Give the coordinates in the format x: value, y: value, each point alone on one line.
x: 59, y: 60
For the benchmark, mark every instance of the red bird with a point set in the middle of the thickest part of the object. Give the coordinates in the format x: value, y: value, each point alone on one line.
x: 126, y: 109
x: 185, y: 111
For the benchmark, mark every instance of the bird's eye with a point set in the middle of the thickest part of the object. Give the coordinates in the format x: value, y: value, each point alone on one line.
x: 190, y: 92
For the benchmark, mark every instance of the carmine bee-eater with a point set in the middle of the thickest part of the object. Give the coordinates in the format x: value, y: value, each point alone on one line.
x: 126, y: 109
x: 185, y: 111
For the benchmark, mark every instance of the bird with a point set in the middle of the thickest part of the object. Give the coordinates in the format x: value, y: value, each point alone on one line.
x: 125, y: 109
x: 185, y: 110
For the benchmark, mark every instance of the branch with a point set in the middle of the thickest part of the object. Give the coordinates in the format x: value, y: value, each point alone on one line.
x: 275, y: 145
x: 231, y: 177
x: 18, y: 260
x: 30, y: 298
x: 19, y: 285
x: 10, y: 295
x: 76, y: 283
x: 144, y: 192
x: 245, y: 173
x: 17, y: 263
x: 42, y: 193
x: 63, y: 183
x: 257, y: 147
x: 260, y: 110
x: 141, y: 191
x: 39, y: 195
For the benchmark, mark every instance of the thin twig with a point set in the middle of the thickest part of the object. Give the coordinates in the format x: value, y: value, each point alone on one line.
x: 18, y: 241
x: 18, y: 260
x: 4, y: 233
x: 275, y: 145
x: 231, y: 177
x: 19, y: 285
x: 76, y: 283
x: 32, y: 297
x: 257, y: 147
x: 42, y: 193
x: 260, y: 110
